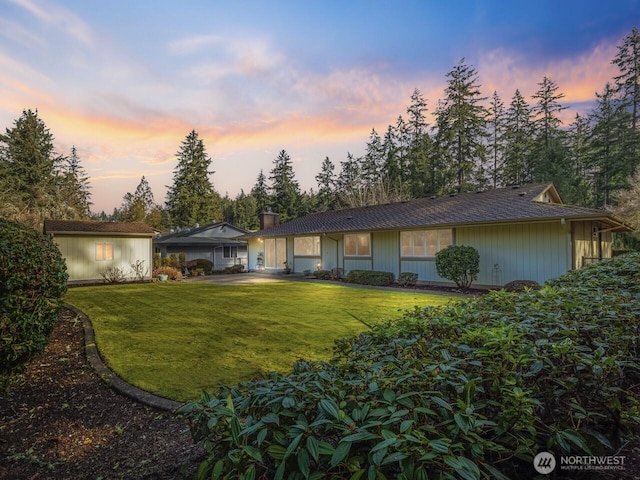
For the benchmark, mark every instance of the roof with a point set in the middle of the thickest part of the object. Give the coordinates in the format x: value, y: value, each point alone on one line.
x: 529, y: 203
x: 216, y: 234
x: 89, y: 227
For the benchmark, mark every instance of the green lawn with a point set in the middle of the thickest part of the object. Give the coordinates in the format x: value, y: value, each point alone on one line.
x: 176, y: 339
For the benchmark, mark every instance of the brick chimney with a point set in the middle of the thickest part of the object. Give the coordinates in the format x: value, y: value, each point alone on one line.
x: 269, y: 219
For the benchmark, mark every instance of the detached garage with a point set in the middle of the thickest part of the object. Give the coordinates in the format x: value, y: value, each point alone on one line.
x: 92, y: 248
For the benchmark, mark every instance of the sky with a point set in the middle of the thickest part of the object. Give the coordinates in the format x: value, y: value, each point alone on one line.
x: 126, y: 81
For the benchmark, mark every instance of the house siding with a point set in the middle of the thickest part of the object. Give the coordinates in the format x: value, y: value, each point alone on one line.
x: 535, y: 251
x: 585, y: 244
x: 385, y: 247
x: 79, y: 254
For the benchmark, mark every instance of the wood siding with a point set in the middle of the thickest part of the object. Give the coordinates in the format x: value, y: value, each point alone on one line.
x: 79, y: 253
x: 534, y: 251
x: 589, y: 244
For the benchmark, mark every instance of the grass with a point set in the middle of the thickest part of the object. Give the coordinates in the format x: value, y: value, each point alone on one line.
x: 177, y: 339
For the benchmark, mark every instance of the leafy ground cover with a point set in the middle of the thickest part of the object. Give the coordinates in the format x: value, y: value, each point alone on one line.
x: 176, y: 339
x: 471, y: 390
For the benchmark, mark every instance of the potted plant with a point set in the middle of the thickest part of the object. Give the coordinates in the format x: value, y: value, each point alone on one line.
x: 287, y: 267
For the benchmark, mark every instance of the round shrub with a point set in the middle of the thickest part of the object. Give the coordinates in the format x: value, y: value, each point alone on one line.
x: 33, y: 276
x: 458, y: 263
x: 171, y: 272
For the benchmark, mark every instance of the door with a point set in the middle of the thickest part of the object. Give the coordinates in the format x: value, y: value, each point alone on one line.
x: 275, y: 252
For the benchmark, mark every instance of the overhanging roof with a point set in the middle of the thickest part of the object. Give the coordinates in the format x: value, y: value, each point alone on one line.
x: 524, y: 204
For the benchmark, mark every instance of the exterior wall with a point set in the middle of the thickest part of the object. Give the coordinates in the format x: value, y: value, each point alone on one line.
x: 80, y: 256
x: 535, y: 251
x: 588, y: 244
x: 385, y: 247
x: 215, y: 255
x: 255, y: 247
x: 332, y: 251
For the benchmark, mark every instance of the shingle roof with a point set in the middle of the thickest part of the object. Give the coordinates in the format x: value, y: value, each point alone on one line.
x: 504, y: 205
x: 96, y: 228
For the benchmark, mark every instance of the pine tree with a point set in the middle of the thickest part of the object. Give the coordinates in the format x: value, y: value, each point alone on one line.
x: 285, y: 190
x: 578, y: 148
x: 628, y: 81
x: 326, y: 179
x: 192, y: 199
x: 517, y: 168
x: 74, y: 185
x: 260, y: 192
x: 140, y: 206
x: 31, y: 174
x: 461, y: 122
x: 496, y: 125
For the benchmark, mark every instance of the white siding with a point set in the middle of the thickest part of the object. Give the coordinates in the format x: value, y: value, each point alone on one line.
x: 79, y: 253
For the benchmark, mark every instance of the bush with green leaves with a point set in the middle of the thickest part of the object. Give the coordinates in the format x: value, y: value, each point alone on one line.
x: 322, y: 274
x: 33, y: 280
x: 205, y: 265
x: 471, y: 390
x: 371, y: 277
x: 408, y: 279
x: 458, y: 263
x: 522, y: 285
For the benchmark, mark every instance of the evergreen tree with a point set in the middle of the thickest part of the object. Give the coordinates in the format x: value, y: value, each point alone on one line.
x: 74, y: 185
x: 260, y: 192
x: 192, y: 199
x: 628, y: 81
x: 495, y: 123
x: 421, y: 173
x: 326, y: 179
x: 517, y: 168
x: 140, y: 206
x: 241, y: 211
x: 284, y: 188
x: 610, y: 160
x: 32, y: 174
x: 461, y: 122
x: 578, y: 148
x: 547, y: 110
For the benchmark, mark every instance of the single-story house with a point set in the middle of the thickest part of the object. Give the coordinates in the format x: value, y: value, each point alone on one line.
x: 91, y: 248
x: 216, y: 242
x: 521, y: 233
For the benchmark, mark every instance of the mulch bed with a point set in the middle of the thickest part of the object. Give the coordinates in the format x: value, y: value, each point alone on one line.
x: 61, y: 421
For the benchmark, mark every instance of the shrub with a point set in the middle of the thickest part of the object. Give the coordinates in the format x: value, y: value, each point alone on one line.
x: 171, y: 272
x: 458, y: 263
x: 322, y: 274
x: 33, y: 280
x: 371, y: 277
x: 470, y: 390
x: 407, y: 279
x: 204, y: 265
x: 113, y: 275
x: 521, y: 285
x: 234, y: 269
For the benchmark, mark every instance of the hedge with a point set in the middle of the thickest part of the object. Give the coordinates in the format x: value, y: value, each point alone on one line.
x: 471, y: 390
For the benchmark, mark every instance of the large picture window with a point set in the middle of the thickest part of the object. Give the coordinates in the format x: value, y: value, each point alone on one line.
x: 230, y: 252
x: 424, y: 243
x: 306, y: 246
x: 104, y: 251
x: 357, y: 245
x: 275, y: 252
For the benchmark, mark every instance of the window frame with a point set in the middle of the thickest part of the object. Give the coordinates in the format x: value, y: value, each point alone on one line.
x: 316, y: 248
x: 103, y: 251
x: 427, y: 234
x: 230, y: 249
x: 357, y: 236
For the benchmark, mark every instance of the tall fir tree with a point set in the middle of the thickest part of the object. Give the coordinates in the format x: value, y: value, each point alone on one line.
x: 517, y: 167
x: 461, y: 121
x: 496, y: 126
x: 326, y: 180
x: 74, y: 185
x: 192, y: 199
x: 285, y: 190
x: 628, y: 81
x: 260, y: 192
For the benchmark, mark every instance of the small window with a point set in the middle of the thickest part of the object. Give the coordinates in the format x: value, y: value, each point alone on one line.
x: 104, y: 251
x: 357, y: 245
x: 424, y: 243
x: 230, y: 252
x: 306, y: 246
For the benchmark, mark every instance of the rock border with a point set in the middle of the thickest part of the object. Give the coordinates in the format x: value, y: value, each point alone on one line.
x: 110, y: 377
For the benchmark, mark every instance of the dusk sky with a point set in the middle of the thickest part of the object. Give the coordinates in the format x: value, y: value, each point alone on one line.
x: 126, y: 81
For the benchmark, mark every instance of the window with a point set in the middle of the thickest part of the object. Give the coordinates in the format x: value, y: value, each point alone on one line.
x: 104, y: 251
x: 230, y: 252
x: 275, y: 252
x: 357, y: 245
x: 424, y: 243
x: 309, y: 246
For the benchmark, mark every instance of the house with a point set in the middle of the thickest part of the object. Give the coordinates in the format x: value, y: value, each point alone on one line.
x: 91, y: 248
x: 521, y: 233
x: 217, y: 242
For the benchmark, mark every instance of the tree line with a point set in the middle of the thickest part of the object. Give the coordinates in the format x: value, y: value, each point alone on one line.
x: 474, y: 142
